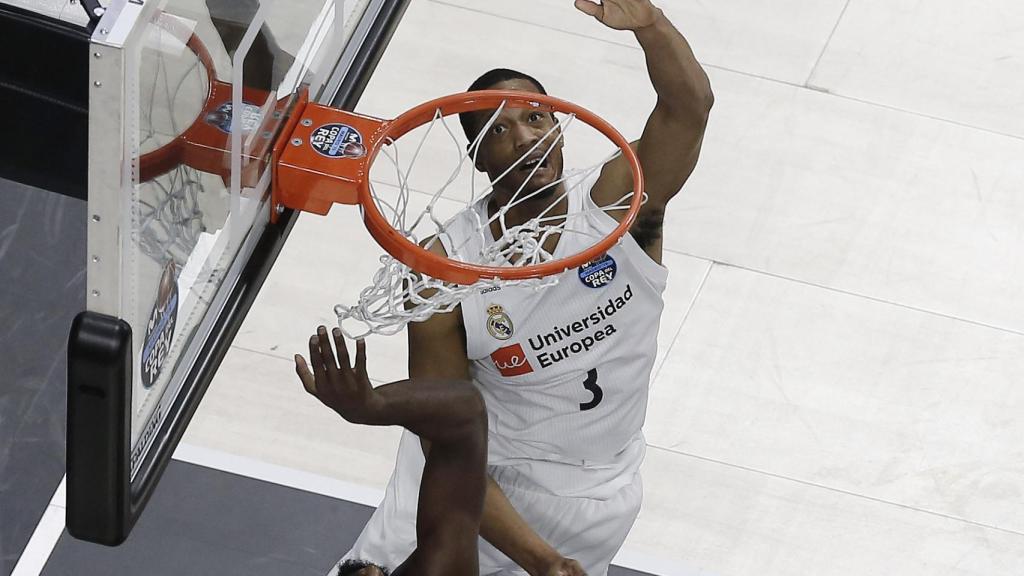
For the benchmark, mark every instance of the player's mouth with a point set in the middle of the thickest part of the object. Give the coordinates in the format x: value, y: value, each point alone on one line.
x: 538, y: 163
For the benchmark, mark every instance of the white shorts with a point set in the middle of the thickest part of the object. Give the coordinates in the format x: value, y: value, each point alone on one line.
x: 589, y: 530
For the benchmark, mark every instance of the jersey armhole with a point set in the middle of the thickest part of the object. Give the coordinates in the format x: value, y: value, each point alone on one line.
x: 653, y: 271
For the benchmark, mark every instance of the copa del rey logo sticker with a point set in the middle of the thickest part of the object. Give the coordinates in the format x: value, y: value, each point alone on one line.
x: 598, y: 272
x: 511, y: 361
x: 499, y: 325
x: 160, y: 328
x: 338, y: 141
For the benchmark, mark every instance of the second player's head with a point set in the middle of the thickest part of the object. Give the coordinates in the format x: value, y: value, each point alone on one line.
x: 360, y: 568
x: 510, y: 137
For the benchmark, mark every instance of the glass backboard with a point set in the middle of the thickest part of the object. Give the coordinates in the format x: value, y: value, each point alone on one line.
x: 188, y: 98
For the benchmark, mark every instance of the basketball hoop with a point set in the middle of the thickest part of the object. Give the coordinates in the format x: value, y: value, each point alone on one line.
x: 313, y: 183
x: 321, y: 156
x: 328, y: 157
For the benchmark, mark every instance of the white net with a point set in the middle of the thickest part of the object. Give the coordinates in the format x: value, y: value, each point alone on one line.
x: 516, y: 218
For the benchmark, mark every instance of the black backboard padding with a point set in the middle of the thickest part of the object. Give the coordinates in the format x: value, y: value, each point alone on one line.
x: 99, y: 428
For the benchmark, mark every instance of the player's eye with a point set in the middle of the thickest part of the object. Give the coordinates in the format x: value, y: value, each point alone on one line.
x: 498, y: 129
x: 536, y: 116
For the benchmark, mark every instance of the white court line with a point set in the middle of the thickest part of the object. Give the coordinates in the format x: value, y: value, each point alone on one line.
x: 251, y: 468
x: 44, y: 538
x: 280, y: 475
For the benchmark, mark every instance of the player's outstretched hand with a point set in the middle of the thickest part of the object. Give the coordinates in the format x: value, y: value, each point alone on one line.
x: 621, y: 14
x: 565, y: 567
x: 341, y: 387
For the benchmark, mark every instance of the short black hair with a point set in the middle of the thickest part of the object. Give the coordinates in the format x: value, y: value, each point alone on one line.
x: 349, y: 567
x: 486, y: 81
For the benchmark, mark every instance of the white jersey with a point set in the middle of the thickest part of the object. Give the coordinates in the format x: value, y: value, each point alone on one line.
x: 565, y: 370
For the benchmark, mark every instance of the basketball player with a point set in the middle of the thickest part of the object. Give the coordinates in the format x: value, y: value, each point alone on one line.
x: 449, y: 413
x: 564, y: 371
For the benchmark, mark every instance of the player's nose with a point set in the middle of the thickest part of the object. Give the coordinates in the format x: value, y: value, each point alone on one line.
x: 525, y: 137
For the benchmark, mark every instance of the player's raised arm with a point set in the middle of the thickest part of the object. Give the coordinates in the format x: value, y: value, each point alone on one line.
x: 448, y: 412
x: 672, y: 138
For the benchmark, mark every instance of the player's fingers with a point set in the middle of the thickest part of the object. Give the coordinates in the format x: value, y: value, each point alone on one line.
x: 324, y: 386
x: 302, y: 369
x: 590, y: 8
x: 569, y: 567
x: 314, y: 357
x: 326, y: 353
x: 347, y: 380
x: 339, y: 341
x: 361, y: 358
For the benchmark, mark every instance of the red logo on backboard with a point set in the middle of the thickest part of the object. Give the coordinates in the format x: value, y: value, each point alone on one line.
x: 511, y: 361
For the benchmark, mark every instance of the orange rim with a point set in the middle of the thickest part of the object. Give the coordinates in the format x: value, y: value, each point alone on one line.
x: 167, y: 157
x: 436, y: 266
x: 202, y: 146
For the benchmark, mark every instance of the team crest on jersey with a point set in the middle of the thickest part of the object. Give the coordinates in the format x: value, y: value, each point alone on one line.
x: 599, y: 272
x: 499, y: 325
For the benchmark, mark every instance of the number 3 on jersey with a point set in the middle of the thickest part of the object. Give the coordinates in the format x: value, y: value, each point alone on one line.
x: 591, y: 384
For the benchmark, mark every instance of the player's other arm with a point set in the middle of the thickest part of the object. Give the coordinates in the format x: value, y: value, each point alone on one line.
x: 437, y: 351
x: 671, y: 141
x: 450, y: 413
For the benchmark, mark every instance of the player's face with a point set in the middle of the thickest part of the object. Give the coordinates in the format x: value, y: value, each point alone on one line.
x: 507, y: 143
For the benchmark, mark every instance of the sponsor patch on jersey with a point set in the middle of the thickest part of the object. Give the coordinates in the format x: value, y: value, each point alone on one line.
x: 598, y: 272
x: 338, y: 141
x: 160, y: 328
x: 499, y: 325
x: 571, y: 338
x: 511, y: 361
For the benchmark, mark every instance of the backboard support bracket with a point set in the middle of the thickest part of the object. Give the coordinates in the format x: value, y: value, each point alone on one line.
x: 313, y: 182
